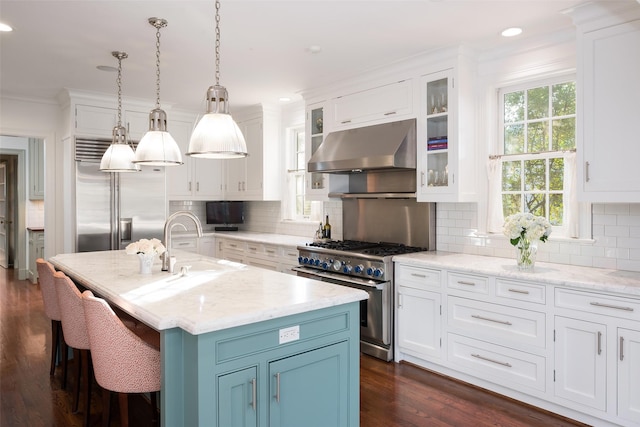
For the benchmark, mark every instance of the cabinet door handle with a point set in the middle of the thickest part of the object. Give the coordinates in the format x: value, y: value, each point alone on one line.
x: 518, y: 291
x: 345, y: 122
x: 508, y: 365
x: 198, y: 186
x: 503, y: 322
x: 621, y: 348
x: 422, y: 276
x: 616, y: 307
x: 599, y: 342
x: 399, y: 300
x: 278, y: 387
x: 253, y: 394
x: 422, y: 179
x: 189, y: 185
x: 389, y: 113
x: 270, y: 251
x: 462, y: 282
x: 586, y: 171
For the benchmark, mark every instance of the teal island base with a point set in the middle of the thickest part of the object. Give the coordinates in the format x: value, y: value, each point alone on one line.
x: 298, y: 370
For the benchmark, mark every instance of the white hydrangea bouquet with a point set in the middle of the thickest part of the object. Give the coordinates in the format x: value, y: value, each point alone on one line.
x: 146, y: 246
x: 523, y: 231
x: 147, y: 250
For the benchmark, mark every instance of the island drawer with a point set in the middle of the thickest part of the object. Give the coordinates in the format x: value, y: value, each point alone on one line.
x: 596, y: 303
x: 493, y: 321
x: 497, y: 364
x: 522, y: 291
x: 468, y: 283
x: 417, y: 277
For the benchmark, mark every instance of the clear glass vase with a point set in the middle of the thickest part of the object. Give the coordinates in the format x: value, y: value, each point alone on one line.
x: 526, y: 251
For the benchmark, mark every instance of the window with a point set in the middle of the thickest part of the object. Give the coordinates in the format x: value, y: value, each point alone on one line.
x: 298, y: 206
x: 538, y: 127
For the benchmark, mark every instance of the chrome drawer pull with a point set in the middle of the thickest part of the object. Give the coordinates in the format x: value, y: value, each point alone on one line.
x: 504, y: 322
x: 621, y: 348
x: 253, y: 394
x: 508, y: 365
x: 462, y: 282
x: 278, y: 387
x: 599, y: 342
x: 617, y: 307
x: 518, y: 291
x: 422, y: 276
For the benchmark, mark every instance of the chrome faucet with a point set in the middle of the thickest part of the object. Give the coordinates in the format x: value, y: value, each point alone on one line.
x: 168, y: 226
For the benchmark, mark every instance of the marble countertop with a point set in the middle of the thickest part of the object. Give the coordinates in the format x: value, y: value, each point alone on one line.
x: 215, y: 295
x: 588, y: 278
x: 250, y: 236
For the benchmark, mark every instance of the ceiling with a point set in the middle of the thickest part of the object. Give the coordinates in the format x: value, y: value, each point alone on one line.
x: 265, y: 45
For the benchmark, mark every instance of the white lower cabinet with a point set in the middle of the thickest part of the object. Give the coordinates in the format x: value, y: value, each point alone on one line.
x: 257, y: 254
x: 570, y: 351
x: 581, y: 362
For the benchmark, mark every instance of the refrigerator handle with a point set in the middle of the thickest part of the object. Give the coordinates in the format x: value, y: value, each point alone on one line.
x: 125, y: 229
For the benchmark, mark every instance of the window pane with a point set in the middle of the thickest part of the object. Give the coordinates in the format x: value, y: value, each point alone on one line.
x: 511, y: 176
x: 538, y: 137
x: 299, y: 205
x: 564, y: 134
x: 556, y: 174
x: 538, y: 103
x: 299, y: 185
x: 300, y: 162
x: 513, y: 139
x: 564, y: 99
x: 534, y: 203
x: 555, y: 209
x: 514, y: 107
x: 510, y: 204
x: 534, y: 175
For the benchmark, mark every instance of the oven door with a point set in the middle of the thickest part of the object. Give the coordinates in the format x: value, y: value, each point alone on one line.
x: 375, y: 312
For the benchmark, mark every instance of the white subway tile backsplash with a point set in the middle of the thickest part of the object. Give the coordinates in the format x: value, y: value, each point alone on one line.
x: 616, y: 230
x: 617, y: 208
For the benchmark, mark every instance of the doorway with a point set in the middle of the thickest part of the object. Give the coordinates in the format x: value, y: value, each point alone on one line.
x: 8, y: 203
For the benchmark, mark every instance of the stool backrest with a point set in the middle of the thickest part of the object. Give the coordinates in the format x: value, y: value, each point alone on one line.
x: 74, y: 325
x: 47, y: 287
x: 122, y: 361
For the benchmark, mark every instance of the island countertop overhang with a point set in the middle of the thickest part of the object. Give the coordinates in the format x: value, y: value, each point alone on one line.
x: 215, y: 295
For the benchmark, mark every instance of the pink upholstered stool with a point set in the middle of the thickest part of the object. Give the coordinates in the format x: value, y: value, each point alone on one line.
x: 122, y: 361
x: 75, y: 335
x: 52, y: 310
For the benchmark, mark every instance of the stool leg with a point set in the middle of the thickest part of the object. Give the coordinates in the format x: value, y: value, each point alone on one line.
x: 65, y: 359
x: 106, y: 407
x: 79, y: 377
x: 55, y: 344
x: 154, y: 408
x: 123, y: 400
x: 88, y: 377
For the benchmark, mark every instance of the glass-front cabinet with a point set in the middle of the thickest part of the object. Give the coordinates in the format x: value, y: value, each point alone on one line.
x: 446, y: 169
x: 316, y: 182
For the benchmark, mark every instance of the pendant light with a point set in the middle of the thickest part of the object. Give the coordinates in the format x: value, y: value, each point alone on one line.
x: 157, y: 147
x: 119, y: 156
x: 217, y: 136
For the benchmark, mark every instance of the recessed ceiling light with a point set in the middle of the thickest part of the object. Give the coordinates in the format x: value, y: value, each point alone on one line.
x: 510, y: 32
x: 5, y: 27
x: 284, y: 99
x: 108, y: 68
x: 314, y: 49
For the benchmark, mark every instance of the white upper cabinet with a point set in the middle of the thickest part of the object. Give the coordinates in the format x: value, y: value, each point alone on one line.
x: 196, y: 179
x: 608, y: 87
x: 99, y: 121
x: 259, y: 175
x: 447, y: 161
x: 386, y: 103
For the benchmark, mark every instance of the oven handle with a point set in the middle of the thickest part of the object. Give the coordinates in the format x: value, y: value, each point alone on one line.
x: 341, y: 280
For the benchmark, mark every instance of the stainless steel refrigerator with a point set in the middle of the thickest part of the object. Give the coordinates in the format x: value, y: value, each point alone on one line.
x: 115, y: 209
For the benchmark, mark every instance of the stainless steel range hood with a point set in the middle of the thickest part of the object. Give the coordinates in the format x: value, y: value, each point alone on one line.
x: 389, y: 146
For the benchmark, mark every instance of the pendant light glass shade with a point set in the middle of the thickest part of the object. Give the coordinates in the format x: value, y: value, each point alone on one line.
x: 217, y: 136
x: 157, y: 147
x: 119, y: 156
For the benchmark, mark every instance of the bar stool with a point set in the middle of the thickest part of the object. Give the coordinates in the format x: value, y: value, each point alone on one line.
x: 52, y: 311
x: 122, y: 361
x: 75, y: 335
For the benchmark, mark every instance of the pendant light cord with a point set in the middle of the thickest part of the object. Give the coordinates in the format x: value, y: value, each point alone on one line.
x: 119, y: 83
x: 217, y: 43
x: 158, y: 26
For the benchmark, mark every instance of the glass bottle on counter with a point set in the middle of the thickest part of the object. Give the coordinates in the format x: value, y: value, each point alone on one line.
x: 327, y: 229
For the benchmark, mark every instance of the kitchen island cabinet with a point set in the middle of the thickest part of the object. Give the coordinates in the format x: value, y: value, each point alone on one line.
x: 563, y: 338
x: 263, y: 336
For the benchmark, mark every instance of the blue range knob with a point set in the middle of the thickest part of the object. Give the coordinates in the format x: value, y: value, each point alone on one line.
x: 300, y: 260
x: 346, y: 269
x: 377, y: 273
x: 359, y: 269
x: 325, y: 265
x: 369, y: 271
x: 316, y: 262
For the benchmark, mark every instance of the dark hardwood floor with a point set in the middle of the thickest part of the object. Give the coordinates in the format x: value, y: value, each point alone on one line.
x: 392, y: 394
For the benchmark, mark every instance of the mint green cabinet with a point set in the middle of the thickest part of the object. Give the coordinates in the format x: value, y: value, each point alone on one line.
x: 310, y: 389
x: 237, y: 398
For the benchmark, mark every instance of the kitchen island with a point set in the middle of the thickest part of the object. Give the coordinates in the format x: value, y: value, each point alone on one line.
x: 238, y: 343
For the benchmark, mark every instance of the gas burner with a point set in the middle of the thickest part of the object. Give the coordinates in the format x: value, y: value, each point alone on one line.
x: 343, y: 245
x: 387, y: 249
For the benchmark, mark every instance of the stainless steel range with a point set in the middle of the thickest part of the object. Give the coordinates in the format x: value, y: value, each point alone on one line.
x: 378, y: 206
x: 363, y: 265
